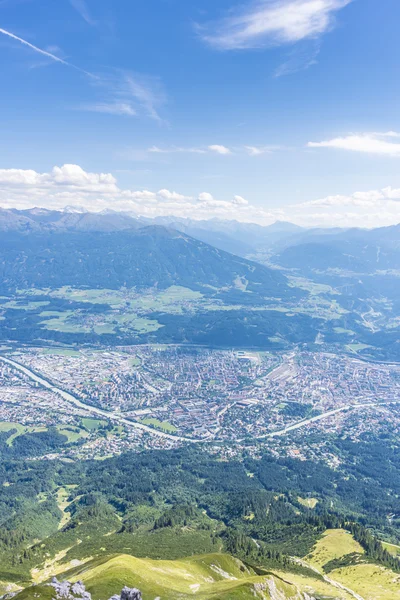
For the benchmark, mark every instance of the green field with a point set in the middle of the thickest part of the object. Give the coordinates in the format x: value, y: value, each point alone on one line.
x: 131, y: 321
x: 357, y: 347
x: 20, y: 430
x: 76, y: 322
x: 163, y: 425
x: 18, y: 305
x: 343, y: 331
x: 92, y: 424
x: 61, y: 352
x: 128, y: 299
x: 311, y: 286
x: 73, y: 434
x: 61, y: 321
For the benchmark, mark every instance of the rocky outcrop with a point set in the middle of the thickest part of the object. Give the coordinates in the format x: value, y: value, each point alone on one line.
x: 65, y: 590
x: 269, y: 589
x: 128, y: 594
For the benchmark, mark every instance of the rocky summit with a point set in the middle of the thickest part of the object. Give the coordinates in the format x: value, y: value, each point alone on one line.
x: 66, y: 590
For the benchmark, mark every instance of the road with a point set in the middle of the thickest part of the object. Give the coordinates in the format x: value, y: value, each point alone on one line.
x: 322, y: 416
x: 93, y: 409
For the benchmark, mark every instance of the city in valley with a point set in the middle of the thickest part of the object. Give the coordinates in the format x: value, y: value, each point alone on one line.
x: 130, y: 398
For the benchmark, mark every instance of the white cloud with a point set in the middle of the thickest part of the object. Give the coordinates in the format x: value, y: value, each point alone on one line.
x: 72, y: 185
x: 370, y: 143
x: 174, y: 196
x: 370, y: 208
x: 112, y: 108
x: 370, y: 198
x: 70, y: 178
x: 73, y: 175
x: 240, y: 201
x: 219, y: 149
x: 44, y: 52
x: 273, y: 22
x: 205, y: 197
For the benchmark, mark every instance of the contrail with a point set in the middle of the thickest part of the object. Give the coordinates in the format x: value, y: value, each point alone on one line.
x: 45, y: 53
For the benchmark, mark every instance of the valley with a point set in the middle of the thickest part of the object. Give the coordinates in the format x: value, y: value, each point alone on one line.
x: 165, y: 396
x: 207, y: 426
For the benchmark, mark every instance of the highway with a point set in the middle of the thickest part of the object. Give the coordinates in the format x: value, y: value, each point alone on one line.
x: 320, y: 417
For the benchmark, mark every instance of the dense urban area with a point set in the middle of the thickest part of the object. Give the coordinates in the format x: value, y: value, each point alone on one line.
x: 131, y: 398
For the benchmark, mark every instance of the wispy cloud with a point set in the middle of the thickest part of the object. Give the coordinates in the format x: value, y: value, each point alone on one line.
x: 369, y: 143
x: 258, y: 150
x: 122, y: 93
x: 215, y: 149
x: 82, y: 8
x: 128, y: 94
x: 44, y: 52
x: 147, y: 91
x: 175, y: 150
x: 264, y: 23
x: 301, y: 58
x: 111, y: 108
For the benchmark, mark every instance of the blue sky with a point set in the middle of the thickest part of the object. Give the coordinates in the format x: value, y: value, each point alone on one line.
x: 255, y: 110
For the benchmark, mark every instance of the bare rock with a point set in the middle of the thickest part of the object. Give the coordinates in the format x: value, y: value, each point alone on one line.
x: 128, y: 594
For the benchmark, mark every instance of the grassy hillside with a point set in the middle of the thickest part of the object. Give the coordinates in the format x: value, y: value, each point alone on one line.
x: 207, y: 577
x: 336, y: 569
x: 334, y: 545
x: 342, y: 559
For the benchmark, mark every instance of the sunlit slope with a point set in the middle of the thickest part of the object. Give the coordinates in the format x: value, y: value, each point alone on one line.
x: 337, y: 569
x: 342, y: 560
x: 208, y: 577
x: 334, y: 545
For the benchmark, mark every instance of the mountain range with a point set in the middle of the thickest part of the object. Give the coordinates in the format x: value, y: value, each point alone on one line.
x: 292, y: 247
x: 224, y: 282
x: 143, y: 257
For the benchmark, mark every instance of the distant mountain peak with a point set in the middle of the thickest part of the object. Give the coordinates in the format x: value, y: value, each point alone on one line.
x: 74, y: 209
x: 284, y: 226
